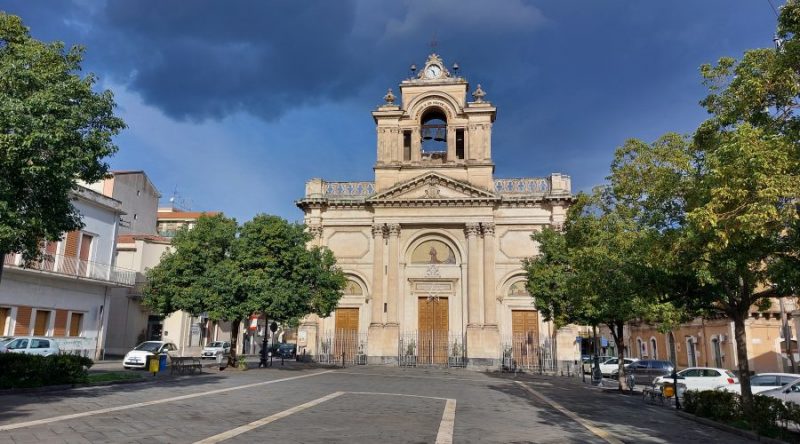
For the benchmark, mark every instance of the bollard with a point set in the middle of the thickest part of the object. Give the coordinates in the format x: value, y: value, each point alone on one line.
x: 342, y: 359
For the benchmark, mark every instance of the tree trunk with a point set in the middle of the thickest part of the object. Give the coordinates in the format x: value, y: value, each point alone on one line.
x: 234, y: 338
x: 617, y: 331
x: 741, y: 355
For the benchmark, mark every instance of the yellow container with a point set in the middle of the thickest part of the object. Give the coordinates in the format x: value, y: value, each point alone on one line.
x: 153, y: 365
x: 669, y: 391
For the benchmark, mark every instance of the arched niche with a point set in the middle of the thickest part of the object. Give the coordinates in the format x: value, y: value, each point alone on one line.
x: 355, y: 287
x: 432, y: 252
x: 439, y: 235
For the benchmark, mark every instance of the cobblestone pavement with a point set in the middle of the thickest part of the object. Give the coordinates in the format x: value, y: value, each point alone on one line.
x: 353, y: 405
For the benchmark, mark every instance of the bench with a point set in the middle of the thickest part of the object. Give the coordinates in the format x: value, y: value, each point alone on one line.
x: 186, y: 364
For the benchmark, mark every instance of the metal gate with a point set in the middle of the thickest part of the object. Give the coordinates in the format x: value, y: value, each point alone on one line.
x: 342, y: 347
x: 445, y: 349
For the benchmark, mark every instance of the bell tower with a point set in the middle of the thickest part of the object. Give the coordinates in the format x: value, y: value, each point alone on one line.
x: 434, y: 128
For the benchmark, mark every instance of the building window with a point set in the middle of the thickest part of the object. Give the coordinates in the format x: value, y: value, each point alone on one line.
x: 4, y: 312
x: 654, y: 348
x: 75, y: 324
x: 642, y: 348
x: 691, y: 351
x: 42, y: 323
x: 459, y: 144
x: 717, y: 352
x: 407, y: 145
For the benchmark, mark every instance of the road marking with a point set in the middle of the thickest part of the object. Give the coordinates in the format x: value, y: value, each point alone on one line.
x: 413, y: 377
x: 608, y: 437
x: 20, y: 425
x: 264, y: 421
x: 445, y: 435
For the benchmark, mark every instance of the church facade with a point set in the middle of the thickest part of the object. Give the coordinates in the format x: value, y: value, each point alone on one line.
x: 433, y: 247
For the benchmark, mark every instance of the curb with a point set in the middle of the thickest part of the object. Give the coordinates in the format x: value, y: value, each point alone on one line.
x: 730, y: 429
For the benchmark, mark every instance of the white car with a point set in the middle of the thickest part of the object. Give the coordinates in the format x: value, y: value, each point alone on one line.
x: 701, y: 378
x: 612, y: 365
x: 762, y: 382
x: 215, y: 348
x: 32, y: 345
x: 137, y: 358
x: 789, y: 392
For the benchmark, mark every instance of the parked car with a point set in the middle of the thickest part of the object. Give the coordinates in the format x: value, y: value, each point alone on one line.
x: 612, y: 365
x: 701, y: 378
x: 216, y: 348
x: 285, y: 350
x: 789, y: 392
x: 137, y: 358
x: 32, y: 345
x: 646, y: 370
x: 588, y: 362
x: 763, y: 382
x: 3, y: 341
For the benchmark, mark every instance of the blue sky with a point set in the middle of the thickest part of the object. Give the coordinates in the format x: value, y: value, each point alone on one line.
x: 237, y: 103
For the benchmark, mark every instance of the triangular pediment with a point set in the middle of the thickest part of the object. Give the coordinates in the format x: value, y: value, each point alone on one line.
x: 433, y: 186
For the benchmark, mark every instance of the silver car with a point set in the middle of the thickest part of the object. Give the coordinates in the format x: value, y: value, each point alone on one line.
x: 32, y: 345
x: 789, y: 392
x: 216, y: 348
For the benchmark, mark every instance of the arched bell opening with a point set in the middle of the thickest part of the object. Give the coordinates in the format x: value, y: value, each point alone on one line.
x: 433, y: 132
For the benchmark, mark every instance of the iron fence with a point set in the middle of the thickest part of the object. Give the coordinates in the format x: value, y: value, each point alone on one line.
x: 523, y: 352
x: 342, y: 347
x: 445, y: 349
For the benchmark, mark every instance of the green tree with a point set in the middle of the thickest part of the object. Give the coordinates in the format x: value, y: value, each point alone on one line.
x: 720, y: 204
x: 54, y: 131
x: 282, y: 277
x: 199, y: 275
x: 597, y: 272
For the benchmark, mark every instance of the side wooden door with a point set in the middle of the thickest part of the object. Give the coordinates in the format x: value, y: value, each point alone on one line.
x: 525, y: 337
x: 346, y: 333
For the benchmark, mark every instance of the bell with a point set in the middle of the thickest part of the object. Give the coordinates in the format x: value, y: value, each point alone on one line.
x: 440, y: 135
x: 427, y: 134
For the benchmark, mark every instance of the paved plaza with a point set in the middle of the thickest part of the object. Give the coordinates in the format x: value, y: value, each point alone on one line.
x: 351, y: 405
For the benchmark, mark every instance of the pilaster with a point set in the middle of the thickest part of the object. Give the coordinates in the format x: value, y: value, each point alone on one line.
x: 489, y: 297
x: 471, y: 231
x: 394, y: 268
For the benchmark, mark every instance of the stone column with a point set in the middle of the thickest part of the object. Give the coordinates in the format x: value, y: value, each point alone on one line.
x: 473, y: 306
x: 394, y: 269
x: 377, y: 275
x: 489, y: 301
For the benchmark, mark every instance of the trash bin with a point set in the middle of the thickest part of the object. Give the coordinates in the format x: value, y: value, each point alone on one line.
x: 162, y: 362
x: 152, y: 364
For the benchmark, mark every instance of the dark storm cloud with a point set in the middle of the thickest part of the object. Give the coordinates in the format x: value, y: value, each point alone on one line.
x: 204, y: 59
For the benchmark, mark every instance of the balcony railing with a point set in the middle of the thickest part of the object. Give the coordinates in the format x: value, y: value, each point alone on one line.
x: 525, y: 185
x: 348, y: 189
x: 72, y: 266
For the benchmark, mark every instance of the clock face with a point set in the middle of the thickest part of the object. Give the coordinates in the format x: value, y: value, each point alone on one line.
x: 433, y: 71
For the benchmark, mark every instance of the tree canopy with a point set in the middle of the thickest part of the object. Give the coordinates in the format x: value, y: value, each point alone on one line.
x: 597, y: 272
x: 724, y: 201
x: 54, y: 130
x: 230, y: 272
